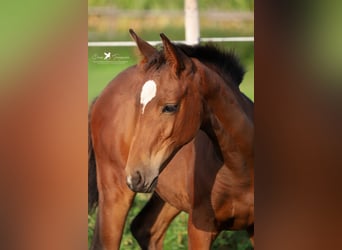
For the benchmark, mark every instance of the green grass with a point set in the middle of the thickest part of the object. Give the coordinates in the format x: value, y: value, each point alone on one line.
x: 99, y: 75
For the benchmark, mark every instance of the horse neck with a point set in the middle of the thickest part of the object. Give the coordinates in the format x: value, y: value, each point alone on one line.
x: 230, y: 121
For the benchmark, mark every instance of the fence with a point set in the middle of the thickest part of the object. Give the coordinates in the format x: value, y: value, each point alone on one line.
x: 204, y: 39
x: 191, y: 22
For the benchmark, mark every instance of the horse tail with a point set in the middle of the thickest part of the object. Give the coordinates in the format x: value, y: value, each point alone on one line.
x: 93, y: 193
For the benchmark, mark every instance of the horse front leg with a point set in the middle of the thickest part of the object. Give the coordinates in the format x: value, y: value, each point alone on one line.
x: 150, y: 225
x: 115, y: 200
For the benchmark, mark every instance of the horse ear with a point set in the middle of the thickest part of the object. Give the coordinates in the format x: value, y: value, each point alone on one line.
x: 177, y: 59
x: 144, y: 47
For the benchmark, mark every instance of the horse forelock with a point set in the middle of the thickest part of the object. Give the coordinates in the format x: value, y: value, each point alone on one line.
x: 155, y: 61
x: 225, y: 63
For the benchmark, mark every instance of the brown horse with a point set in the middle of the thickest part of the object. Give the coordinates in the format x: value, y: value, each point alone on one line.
x: 170, y: 99
x: 191, y: 90
x: 112, y: 119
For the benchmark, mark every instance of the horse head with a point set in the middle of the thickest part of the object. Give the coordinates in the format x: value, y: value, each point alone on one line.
x: 170, y: 112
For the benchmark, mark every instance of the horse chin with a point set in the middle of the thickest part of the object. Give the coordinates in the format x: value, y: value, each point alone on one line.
x: 152, y: 186
x: 146, y: 187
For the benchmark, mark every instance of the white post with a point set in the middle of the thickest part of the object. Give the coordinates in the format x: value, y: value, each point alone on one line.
x: 192, y: 30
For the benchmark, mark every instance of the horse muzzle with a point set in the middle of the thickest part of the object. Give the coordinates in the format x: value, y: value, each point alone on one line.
x: 137, y: 183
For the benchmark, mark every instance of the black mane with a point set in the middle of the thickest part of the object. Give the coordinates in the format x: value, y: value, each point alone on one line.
x: 225, y: 63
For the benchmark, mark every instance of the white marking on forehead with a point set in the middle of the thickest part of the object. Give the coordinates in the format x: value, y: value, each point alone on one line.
x: 148, y: 92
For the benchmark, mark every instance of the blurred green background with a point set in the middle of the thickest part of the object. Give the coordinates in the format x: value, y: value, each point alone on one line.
x: 110, y: 21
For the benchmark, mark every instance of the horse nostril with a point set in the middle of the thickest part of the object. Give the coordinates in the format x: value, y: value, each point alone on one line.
x: 137, y: 179
x: 134, y: 181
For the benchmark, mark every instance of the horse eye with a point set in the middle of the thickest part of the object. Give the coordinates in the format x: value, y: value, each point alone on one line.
x: 170, y: 108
